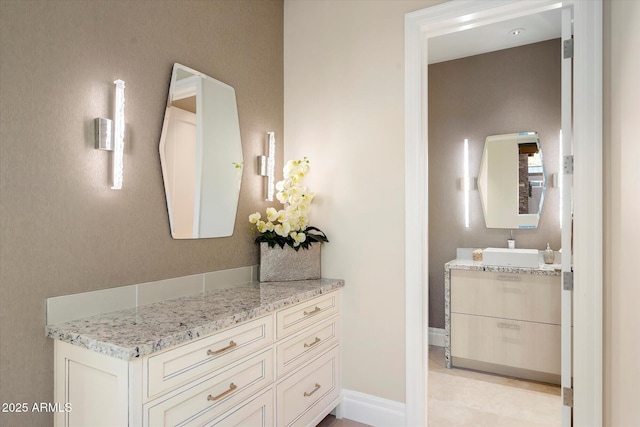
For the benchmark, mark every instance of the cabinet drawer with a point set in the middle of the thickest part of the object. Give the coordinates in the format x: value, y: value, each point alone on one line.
x: 303, y: 347
x: 173, y: 368
x: 300, y: 396
x: 524, y: 345
x: 257, y: 412
x: 307, y: 313
x: 529, y: 297
x: 207, y: 400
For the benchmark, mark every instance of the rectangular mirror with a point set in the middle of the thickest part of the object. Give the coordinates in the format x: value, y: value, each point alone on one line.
x: 201, y: 155
x: 512, y: 180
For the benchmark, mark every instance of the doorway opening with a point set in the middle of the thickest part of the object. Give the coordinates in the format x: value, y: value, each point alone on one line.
x: 587, y: 262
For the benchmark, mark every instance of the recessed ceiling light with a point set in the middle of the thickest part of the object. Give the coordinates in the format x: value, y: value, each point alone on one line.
x: 516, y: 31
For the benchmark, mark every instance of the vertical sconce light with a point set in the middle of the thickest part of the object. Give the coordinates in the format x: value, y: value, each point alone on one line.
x: 267, y: 165
x: 110, y: 136
x: 466, y: 184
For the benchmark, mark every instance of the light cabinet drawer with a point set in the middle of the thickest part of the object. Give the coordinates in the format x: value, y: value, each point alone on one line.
x: 257, y: 412
x: 306, y: 392
x: 305, y: 314
x: 300, y: 348
x: 523, y: 345
x: 528, y: 297
x: 173, y: 368
x: 209, y: 399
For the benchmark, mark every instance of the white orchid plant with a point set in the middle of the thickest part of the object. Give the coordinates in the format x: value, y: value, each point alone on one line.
x: 289, y: 226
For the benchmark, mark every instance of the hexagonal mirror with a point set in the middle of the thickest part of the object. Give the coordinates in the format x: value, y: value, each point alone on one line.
x: 201, y: 155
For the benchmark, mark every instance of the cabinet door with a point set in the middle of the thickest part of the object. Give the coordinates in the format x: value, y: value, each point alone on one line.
x: 300, y: 348
x: 96, y: 386
x: 303, y: 395
x: 296, y: 318
x: 529, y: 297
x: 258, y: 412
x: 209, y: 399
x: 173, y: 368
x: 523, y: 345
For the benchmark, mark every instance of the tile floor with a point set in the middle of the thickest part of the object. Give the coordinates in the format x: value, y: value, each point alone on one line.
x: 464, y: 398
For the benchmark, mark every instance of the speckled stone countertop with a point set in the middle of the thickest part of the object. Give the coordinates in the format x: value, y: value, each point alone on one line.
x: 464, y: 264
x: 140, y: 331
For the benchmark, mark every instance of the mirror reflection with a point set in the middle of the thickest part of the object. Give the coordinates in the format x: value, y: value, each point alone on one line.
x: 201, y: 155
x: 512, y: 180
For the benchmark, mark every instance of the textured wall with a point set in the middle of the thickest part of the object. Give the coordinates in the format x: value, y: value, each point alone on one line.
x: 63, y: 229
x: 507, y: 91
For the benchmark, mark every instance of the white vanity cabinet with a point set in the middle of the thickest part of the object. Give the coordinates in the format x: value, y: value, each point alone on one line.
x: 505, y: 322
x: 279, y: 369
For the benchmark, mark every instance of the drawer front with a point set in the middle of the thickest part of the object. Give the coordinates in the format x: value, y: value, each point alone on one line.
x: 257, y: 412
x: 525, y: 345
x: 302, y: 395
x: 300, y: 348
x: 529, y: 297
x: 210, y: 398
x: 305, y: 314
x: 173, y: 368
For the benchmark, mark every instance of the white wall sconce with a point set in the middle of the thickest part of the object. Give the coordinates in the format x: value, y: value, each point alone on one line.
x: 267, y: 166
x: 110, y: 135
x: 467, y: 183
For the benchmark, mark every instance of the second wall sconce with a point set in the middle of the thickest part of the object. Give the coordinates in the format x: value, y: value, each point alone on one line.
x: 110, y: 136
x: 267, y: 166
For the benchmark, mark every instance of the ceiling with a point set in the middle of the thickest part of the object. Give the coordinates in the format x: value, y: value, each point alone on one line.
x: 539, y: 27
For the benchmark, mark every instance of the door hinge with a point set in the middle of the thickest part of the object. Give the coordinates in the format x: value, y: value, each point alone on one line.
x: 567, y: 280
x: 567, y: 165
x: 567, y: 46
x: 567, y: 396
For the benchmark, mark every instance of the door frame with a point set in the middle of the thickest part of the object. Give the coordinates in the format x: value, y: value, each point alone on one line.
x: 587, y: 180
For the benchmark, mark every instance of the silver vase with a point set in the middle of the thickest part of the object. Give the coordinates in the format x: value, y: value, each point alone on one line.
x: 284, y: 264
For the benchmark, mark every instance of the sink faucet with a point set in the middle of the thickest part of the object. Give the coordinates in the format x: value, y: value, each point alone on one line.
x: 511, y: 242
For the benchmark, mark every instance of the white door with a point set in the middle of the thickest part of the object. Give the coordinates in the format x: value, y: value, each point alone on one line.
x: 566, y: 215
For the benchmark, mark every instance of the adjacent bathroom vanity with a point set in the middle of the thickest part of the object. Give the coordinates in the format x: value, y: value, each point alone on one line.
x: 504, y: 320
x: 255, y: 354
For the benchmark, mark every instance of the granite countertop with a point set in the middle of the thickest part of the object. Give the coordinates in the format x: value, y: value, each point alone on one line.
x: 465, y: 264
x: 136, y: 332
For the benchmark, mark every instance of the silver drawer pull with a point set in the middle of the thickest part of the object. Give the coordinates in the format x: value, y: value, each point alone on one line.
x: 314, y: 390
x: 314, y: 311
x: 232, y: 387
x: 508, y: 326
x: 509, y: 278
x: 222, y: 350
x: 317, y: 340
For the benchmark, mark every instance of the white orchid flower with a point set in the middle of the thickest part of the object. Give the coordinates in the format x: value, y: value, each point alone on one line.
x: 254, y: 218
x: 282, y: 229
x: 298, y: 238
x: 272, y: 214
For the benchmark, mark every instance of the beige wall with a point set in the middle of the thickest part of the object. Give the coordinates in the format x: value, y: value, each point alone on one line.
x: 63, y: 229
x: 622, y: 213
x: 344, y: 101
x: 507, y: 91
x: 344, y: 109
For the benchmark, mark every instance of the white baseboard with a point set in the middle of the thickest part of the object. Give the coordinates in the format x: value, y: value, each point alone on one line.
x: 436, y: 337
x: 372, y: 410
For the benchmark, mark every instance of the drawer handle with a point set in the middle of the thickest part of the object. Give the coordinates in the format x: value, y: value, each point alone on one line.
x: 317, y: 340
x: 232, y: 387
x: 509, y: 278
x: 222, y: 350
x: 314, y: 390
x: 314, y: 311
x: 508, y: 326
